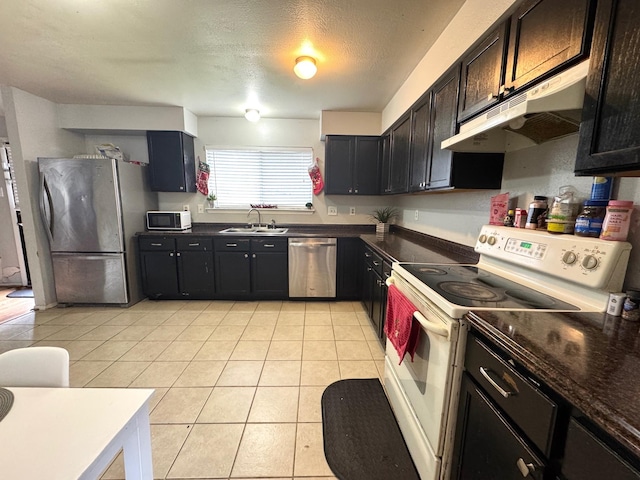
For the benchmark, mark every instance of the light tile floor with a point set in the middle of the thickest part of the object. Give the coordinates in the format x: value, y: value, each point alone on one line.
x: 238, y: 384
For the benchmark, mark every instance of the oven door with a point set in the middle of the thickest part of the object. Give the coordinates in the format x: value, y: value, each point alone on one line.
x: 421, y: 391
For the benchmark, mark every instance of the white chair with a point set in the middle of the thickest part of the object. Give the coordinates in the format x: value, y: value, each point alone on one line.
x: 35, y: 367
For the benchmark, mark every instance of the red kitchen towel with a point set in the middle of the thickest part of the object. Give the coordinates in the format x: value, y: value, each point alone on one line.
x: 401, y: 329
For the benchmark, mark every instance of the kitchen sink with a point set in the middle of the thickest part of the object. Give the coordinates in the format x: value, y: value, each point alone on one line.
x: 256, y: 230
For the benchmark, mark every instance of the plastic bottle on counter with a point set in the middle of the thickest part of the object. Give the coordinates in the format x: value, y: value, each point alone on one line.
x: 563, y: 212
x: 601, y: 188
x: 589, y: 221
x: 631, y: 307
x: 617, y: 220
x: 508, y: 219
x: 537, y: 208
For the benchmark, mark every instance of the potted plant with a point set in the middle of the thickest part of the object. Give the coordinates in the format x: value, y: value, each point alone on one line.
x: 383, y: 216
x: 211, y: 199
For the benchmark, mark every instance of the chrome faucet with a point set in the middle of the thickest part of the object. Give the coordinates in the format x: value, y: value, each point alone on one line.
x: 258, y: 212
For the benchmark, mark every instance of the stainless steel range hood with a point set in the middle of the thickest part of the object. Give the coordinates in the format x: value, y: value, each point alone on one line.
x: 546, y: 111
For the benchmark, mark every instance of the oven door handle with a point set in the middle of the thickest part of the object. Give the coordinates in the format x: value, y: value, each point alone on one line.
x: 430, y: 326
x: 440, y: 330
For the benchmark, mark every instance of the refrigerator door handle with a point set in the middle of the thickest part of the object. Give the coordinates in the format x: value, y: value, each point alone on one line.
x: 46, y: 207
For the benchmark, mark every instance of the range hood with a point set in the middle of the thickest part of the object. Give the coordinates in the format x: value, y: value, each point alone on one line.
x: 546, y: 111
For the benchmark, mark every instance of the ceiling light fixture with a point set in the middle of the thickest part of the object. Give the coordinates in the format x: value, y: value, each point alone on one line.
x: 252, y: 114
x: 305, y: 67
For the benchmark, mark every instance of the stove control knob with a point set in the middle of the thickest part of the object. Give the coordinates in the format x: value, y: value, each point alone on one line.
x: 590, y: 262
x: 491, y: 240
x: 483, y: 238
x: 569, y: 258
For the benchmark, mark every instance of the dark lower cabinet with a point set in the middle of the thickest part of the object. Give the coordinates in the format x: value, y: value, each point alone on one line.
x: 269, y: 268
x: 159, y: 279
x: 374, y: 290
x: 177, y: 268
x: 348, y: 269
x: 487, y: 447
x: 251, y: 268
x: 588, y: 457
x: 609, y: 137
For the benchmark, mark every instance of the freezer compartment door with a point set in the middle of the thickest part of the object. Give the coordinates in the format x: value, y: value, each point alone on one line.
x: 90, y: 278
x: 80, y: 204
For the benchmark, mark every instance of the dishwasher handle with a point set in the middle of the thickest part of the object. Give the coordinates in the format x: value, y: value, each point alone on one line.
x: 311, y: 245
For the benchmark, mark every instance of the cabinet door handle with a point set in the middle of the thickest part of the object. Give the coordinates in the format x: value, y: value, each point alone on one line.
x: 269, y: 245
x: 376, y: 264
x: 525, y: 468
x: 156, y: 244
x: 254, y: 255
x: 178, y: 254
x: 246, y: 255
x: 232, y: 244
x: 194, y: 244
x: 485, y: 373
x: 367, y: 254
x: 369, y: 269
x: 356, y: 190
x: 171, y: 254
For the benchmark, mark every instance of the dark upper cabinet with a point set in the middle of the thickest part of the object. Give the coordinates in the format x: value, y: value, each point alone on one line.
x: 400, y: 151
x: 352, y: 164
x: 420, y: 155
x: 447, y: 169
x: 545, y: 36
x: 385, y: 162
x: 483, y: 73
x: 171, y: 162
x: 609, y: 136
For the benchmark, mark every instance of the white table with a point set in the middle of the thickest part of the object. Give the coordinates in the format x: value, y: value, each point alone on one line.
x: 69, y: 433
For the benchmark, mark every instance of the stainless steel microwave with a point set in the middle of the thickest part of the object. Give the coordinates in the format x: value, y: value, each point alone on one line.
x: 157, y: 220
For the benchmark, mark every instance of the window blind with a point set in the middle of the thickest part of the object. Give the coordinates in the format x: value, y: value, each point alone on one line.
x: 260, y: 176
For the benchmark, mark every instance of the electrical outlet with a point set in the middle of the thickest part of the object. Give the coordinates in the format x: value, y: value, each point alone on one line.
x: 332, y: 210
x: 200, y: 208
x: 352, y: 210
x: 186, y: 208
x: 416, y: 215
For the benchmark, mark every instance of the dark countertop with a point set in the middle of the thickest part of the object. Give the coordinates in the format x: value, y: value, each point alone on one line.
x: 591, y: 359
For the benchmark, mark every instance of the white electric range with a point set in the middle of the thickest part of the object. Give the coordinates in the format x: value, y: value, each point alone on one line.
x: 518, y: 270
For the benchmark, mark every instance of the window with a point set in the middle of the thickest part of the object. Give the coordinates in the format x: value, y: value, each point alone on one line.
x: 260, y: 176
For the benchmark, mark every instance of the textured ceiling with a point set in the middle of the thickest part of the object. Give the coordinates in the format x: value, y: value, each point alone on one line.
x: 218, y: 57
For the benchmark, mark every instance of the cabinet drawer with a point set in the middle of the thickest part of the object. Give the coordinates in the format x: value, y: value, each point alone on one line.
x: 373, y: 260
x: 517, y: 397
x: 200, y: 244
x: 232, y: 244
x: 269, y: 244
x: 157, y: 243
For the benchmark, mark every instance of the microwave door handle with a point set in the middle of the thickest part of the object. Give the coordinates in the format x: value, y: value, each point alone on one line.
x: 46, y: 207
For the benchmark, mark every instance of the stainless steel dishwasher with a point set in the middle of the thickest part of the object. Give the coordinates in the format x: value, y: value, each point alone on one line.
x: 312, y: 267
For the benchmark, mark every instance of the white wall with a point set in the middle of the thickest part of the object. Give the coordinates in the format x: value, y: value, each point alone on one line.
x: 473, y: 19
x: 33, y: 132
x: 270, y: 132
x: 3, y: 126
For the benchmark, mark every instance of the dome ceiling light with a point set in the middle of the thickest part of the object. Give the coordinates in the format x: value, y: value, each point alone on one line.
x: 252, y: 114
x: 305, y: 67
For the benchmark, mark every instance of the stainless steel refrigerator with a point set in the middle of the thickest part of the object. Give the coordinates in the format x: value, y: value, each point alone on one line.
x: 91, y: 209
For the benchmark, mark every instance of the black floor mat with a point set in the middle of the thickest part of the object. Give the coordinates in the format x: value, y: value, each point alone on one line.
x: 24, y: 293
x: 362, y: 440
